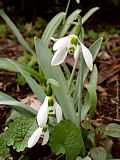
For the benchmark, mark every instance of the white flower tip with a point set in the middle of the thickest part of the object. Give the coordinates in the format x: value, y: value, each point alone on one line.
x: 42, y: 115
x: 59, y: 57
x: 87, y: 56
x: 58, y: 112
x: 78, y: 1
x: 35, y: 137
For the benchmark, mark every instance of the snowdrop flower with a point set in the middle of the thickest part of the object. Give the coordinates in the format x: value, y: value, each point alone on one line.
x: 42, y: 118
x: 63, y: 46
x: 78, y: 1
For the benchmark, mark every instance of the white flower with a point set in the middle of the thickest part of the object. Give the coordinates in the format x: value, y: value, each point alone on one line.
x: 35, y: 137
x: 42, y: 118
x: 78, y: 1
x: 42, y: 115
x: 86, y: 55
x: 62, y: 47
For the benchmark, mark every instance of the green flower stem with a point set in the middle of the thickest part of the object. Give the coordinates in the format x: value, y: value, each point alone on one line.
x: 72, y: 74
x: 80, y: 74
x: 66, y: 11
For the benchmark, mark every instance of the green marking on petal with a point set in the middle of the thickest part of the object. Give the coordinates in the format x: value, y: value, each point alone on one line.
x: 74, y: 40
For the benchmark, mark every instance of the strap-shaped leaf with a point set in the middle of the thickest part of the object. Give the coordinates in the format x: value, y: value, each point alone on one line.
x: 69, y: 22
x: 11, y: 65
x: 18, y: 106
x: 88, y: 14
x: 16, y: 32
x: 94, y: 49
x: 91, y: 96
x: 112, y: 130
x: 98, y: 153
x: 51, y: 27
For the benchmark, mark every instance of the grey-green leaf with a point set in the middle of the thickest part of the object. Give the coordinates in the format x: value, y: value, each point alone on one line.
x: 94, y: 49
x: 98, y: 153
x: 18, y: 106
x: 9, y: 64
x: 16, y: 32
x: 69, y: 22
x: 112, y: 130
x: 91, y: 97
x: 51, y: 27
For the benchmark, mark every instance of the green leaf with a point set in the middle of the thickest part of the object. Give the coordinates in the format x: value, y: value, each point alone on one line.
x: 19, y: 131
x: 66, y: 139
x: 9, y: 64
x: 91, y: 96
x: 16, y: 32
x: 94, y: 49
x: 51, y: 27
x: 86, y: 158
x: 4, y: 150
x: 112, y: 130
x: 69, y: 22
x: 5, y: 64
x: 89, y: 14
x: 44, y: 57
x: 18, y: 106
x: 98, y: 153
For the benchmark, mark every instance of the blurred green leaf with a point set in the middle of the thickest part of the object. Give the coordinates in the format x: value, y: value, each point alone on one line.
x: 112, y: 130
x: 51, y: 27
x: 98, y: 153
x: 89, y: 14
x: 94, y: 49
x: 18, y: 106
x: 4, y: 150
x: 91, y: 96
x: 11, y: 65
x: 69, y: 21
x: 66, y: 138
x: 16, y: 32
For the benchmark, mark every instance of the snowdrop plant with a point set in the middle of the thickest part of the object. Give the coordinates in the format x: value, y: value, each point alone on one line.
x: 68, y: 103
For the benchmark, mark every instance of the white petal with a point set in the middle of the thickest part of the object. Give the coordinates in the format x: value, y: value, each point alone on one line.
x: 61, y: 43
x: 87, y: 56
x: 45, y: 138
x: 58, y: 112
x: 59, y: 56
x: 78, y: 1
x: 42, y: 115
x: 77, y: 52
x: 35, y: 137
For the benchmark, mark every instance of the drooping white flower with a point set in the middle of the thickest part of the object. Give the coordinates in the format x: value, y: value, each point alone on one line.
x: 42, y: 118
x: 62, y: 47
x: 78, y: 1
x: 58, y: 112
x: 35, y: 137
x: 42, y: 115
x: 86, y: 55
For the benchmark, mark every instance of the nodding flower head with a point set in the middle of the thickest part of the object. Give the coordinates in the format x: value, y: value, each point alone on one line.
x: 64, y: 45
x: 42, y: 118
